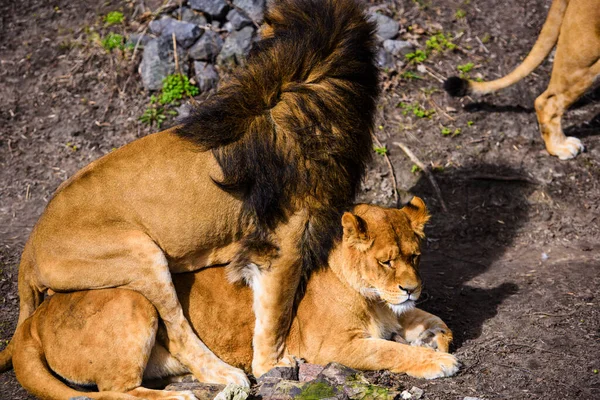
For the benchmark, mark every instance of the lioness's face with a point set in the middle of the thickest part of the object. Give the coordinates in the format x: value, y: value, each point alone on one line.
x: 384, y: 245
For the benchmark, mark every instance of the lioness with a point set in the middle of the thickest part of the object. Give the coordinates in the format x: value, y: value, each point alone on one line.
x: 256, y: 179
x: 574, y: 26
x: 348, y: 314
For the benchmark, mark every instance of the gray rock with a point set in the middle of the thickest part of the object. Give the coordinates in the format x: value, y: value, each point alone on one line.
x: 385, y: 59
x: 191, y: 16
x: 338, y: 374
x: 158, y: 61
x: 207, y: 48
x: 185, y: 33
x: 277, y: 389
x: 287, y: 373
x: 416, y: 392
x: 214, y: 8
x: 134, y: 37
x: 237, y: 20
x: 236, y: 46
x: 80, y: 398
x: 233, y: 392
x: 183, y: 111
x: 206, y: 75
x: 308, y: 372
x: 255, y: 9
x: 387, y: 28
x: 398, y: 47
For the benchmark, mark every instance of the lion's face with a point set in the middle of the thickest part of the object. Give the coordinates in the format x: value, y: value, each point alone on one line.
x: 382, y: 250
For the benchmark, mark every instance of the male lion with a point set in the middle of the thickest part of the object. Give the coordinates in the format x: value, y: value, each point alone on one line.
x: 255, y: 179
x: 574, y: 26
x: 349, y: 313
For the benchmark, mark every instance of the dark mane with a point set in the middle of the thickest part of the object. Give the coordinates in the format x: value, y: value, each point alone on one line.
x: 293, y: 128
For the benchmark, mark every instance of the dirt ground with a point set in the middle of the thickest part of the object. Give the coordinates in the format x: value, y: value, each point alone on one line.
x: 512, y: 266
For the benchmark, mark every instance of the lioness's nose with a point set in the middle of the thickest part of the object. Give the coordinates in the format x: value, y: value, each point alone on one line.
x: 408, y: 289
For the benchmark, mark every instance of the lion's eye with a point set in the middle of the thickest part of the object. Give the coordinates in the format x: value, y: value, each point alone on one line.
x: 387, y: 263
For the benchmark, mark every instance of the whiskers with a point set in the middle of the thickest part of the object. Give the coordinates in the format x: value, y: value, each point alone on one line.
x: 370, y: 293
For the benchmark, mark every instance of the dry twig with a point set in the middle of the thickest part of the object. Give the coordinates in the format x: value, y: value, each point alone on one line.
x: 427, y: 172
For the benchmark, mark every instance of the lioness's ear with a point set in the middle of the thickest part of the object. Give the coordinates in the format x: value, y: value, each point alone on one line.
x: 417, y: 214
x: 355, y: 230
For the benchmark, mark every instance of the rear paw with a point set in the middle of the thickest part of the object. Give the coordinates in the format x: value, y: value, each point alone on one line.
x: 288, y: 361
x: 437, y: 365
x: 227, y: 375
x: 568, y: 149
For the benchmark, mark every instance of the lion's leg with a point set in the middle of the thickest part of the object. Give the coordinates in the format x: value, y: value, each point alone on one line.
x: 424, y: 329
x: 274, y: 288
x: 133, y: 261
x: 574, y: 71
x: 378, y: 354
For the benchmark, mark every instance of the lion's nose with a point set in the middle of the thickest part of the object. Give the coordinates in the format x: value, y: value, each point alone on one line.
x: 408, y: 290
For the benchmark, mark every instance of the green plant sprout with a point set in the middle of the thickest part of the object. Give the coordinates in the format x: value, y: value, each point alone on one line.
x: 113, y: 18
x: 416, y: 109
x: 382, y: 151
x: 417, y: 57
x: 410, y: 75
x: 112, y: 41
x: 153, y: 116
x: 176, y: 86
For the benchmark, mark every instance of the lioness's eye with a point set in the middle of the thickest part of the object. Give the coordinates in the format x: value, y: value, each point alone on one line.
x: 387, y: 263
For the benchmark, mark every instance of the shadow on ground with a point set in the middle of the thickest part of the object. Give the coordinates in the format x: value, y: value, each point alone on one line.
x: 487, y: 206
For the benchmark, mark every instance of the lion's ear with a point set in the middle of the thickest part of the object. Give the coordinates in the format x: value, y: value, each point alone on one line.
x: 355, y: 230
x: 417, y: 214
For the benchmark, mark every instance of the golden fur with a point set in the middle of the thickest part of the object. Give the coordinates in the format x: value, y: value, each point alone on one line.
x: 255, y: 179
x: 574, y: 27
x: 349, y: 314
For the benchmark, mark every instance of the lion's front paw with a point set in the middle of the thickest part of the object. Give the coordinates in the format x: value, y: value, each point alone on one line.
x: 435, y: 338
x: 436, y: 365
x: 567, y: 149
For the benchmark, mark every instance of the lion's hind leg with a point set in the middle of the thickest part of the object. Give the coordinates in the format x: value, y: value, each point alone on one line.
x: 576, y: 67
x: 131, y: 260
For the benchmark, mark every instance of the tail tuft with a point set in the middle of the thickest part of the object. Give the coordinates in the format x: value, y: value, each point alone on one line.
x: 456, y: 87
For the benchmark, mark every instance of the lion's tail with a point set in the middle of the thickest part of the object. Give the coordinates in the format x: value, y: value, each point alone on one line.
x: 34, y: 375
x: 296, y: 122
x: 29, y: 299
x: 459, y: 87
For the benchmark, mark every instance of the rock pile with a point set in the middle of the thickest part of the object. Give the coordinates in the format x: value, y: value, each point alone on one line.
x: 208, y: 34
x: 213, y: 34
x: 309, y: 381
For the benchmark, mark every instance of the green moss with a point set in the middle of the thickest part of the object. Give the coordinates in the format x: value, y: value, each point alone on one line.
x: 372, y: 392
x: 316, y: 391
